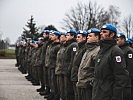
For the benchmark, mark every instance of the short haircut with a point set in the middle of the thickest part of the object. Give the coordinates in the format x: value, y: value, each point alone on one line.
x: 123, y: 37
x: 98, y: 34
x: 111, y: 32
x: 72, y: 34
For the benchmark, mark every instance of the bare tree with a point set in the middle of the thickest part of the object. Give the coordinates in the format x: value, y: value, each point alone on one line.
x: 128, y: 26
x: 113, y: 14
x: 1, y: 33
x: 76, y: 18
x: 80, y: 17
x: 6, y: 42
x: 97, y: 16
x: 86, y: 16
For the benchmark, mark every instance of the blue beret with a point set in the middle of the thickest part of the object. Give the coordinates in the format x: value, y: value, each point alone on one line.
x: 51, y: 31
x: 17, y: 43
x: 56, y: 32
x: 28, y: 39
x: 130, y: 39
x: 72, y: 31
x: 22, y: 42
x: 120, y: 34
x: 32, y: 41
x: 82, y: 32
x: 93, y: 30
x: 41, y: 38
x: 46, y: 31
x: 35, y: 42
x: 109, y: 27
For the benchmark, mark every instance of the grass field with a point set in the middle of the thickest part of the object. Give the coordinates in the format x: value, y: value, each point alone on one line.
x: 7, y: 54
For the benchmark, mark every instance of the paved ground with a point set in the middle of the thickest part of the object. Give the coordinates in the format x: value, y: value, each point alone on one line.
x: 13, y: 85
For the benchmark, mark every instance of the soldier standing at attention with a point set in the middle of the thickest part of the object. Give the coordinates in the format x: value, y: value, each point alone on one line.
x: 81, y: 40
x: 37, y: 64
x: 70, y: 50
x: 27, y: 52
x: 46, y: 92
x: 128, y: 53
x: 86, y: 68
x: 23, y: 56
x: 35, y: 81
x: 20, y: 55
x: 16, y: 54
x: 58, y: 69
x: 29, y: 60
x: 42, y: 63
x: 110, y: 71
x: 50, y: 63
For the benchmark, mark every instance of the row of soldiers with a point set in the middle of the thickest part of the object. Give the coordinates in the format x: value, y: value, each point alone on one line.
x: 92, y: 65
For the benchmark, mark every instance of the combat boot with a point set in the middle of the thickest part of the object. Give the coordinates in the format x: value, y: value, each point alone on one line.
x: 35, y: 82
x: 50, y: 96
x: 40, y: 89
x: 56, y: 97
x: 45, y: 92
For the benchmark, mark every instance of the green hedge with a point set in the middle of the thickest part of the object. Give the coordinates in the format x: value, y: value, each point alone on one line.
x: 7, y: 54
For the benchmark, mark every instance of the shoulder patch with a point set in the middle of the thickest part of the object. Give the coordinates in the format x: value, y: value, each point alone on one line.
x: 118, y: 58
x: 98, y: 60
x: 130, y: 56
x: 74, y: 49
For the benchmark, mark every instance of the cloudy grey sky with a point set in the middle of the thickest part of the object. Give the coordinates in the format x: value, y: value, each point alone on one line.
x: 15, y: 13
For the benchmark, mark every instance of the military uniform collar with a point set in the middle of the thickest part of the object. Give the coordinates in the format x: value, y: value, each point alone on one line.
x: 106, y: 44
x: 46, y: 39
x: 92, y: 45
x: 124, y: 45
x: 81, y: 44
x: 55, y: 43
x: 39, y: 45
x: 70, y: 41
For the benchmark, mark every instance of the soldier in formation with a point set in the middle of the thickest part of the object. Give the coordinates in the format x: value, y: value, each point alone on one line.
x: 92, y: 65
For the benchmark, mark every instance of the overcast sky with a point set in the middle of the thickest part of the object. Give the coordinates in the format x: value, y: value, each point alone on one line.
x: 15, y: 13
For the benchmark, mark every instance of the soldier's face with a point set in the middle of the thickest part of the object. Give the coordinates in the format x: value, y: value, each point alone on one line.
x: 40, y: 41
x: 28, y: 41
x: 54, y: 37
x: 24, y: 45
x: 80, y: 38
x: 50, y: 35
x: 17, y: 44
x: 35, y: 45
x: 45, y: 35
x: 31, y: 43
x: 104, y: 34
x: 120, y: 41
x: 62, y: 38
x: 69, y: 37
x: 92, y: 38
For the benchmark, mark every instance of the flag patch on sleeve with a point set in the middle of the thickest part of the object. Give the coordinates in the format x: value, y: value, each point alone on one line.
x: 74, y: 49
x: 130, y: 56
x: 118, y: 58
